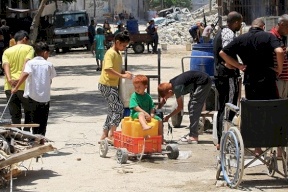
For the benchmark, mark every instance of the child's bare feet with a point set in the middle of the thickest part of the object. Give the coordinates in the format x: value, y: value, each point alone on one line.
x: 147, y: 127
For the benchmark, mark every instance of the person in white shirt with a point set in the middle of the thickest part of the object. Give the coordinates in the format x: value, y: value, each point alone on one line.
x: 38, y: 73
x: 207, y: 32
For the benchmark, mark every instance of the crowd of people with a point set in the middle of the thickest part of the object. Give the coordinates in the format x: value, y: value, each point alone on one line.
x: 264, y: 64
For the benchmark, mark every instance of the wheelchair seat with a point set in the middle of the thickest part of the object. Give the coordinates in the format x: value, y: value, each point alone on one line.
x: 264, y: 123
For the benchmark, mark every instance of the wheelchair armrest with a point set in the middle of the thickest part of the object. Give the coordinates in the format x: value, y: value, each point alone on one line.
x: 232, y: 107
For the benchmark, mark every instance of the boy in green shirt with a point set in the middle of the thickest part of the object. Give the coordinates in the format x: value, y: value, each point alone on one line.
x: 141, y: 104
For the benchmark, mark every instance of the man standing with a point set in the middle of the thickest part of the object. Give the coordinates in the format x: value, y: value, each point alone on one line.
x: 152, y: 30
x: 6, y: 33
x: 281, y: 31
x: 255, y: 49
x: 14, y: 60
x: 91, y: 35
x: 226, y: 80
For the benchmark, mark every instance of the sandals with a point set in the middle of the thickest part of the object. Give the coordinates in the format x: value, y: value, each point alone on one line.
x: 187, y: 139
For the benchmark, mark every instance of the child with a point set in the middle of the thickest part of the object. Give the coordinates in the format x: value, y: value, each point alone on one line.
x: 141, y: 103
x: 195, y: 83
x: 12, y: 41
x: 109, y: 81
x: 38, y: 73
x: 99, y: 47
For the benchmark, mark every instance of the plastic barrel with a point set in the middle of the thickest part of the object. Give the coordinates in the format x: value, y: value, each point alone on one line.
x: 202, y: 64
x: 132, y: 26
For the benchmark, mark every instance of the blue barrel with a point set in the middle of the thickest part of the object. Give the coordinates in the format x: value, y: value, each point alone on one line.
x: 202, y: 64
x: 132, y: 26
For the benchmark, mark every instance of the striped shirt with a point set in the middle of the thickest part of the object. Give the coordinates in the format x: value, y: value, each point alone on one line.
x: 283, y: 40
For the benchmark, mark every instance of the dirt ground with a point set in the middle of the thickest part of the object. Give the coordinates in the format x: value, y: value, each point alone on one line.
x: 77, y: 114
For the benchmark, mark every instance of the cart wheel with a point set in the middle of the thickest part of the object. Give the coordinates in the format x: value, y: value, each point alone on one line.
x: 103, y: 148
x: 232, y: 157
x: 122, y: 155
x: 272, y: 165
x: 174, y: 151
x: 138, y: 48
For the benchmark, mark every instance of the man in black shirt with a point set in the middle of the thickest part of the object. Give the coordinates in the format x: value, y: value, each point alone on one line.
x: 226, y: 80
x: 91, y: 35
x: 195, y: 83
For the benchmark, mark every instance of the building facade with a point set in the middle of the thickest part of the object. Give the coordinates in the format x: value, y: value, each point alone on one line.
x: 103, y: 9
x: 252, y: 9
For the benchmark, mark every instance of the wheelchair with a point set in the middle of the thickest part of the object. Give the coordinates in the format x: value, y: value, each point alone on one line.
x: 262, y: 124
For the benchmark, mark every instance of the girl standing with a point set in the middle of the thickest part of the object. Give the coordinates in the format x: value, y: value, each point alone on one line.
x: 109, y: 81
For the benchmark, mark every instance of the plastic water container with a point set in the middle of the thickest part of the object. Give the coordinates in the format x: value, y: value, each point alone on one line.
x: 133, y: 26
x: 126, y: 89
x: 199, y: 62
x: 133, y: 128
x: 126, y: 125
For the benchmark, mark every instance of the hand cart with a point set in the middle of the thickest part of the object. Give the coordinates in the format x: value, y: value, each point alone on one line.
x: 137, y: 147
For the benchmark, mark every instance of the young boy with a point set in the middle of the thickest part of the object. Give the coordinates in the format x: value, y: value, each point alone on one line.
x: 38, y: 74
x: 195, y: 83
x: 99, y: 47
x: 141, y: 103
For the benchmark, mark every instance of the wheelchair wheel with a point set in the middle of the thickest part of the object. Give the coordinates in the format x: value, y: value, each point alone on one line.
x: 232, y: 157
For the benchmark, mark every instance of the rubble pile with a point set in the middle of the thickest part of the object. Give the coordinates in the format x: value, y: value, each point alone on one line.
x: 177, y: 33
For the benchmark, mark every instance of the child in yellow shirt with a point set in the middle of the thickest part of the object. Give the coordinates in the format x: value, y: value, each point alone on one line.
x: 109, y: 81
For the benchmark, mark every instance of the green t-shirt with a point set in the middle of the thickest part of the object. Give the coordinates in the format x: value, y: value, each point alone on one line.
x: 99, y: 39
x: 145, y: 102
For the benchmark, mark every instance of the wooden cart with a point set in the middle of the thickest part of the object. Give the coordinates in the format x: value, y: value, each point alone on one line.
x: 137, y: 41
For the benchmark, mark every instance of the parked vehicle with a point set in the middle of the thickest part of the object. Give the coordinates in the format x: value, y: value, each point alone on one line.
x: 71, y: 30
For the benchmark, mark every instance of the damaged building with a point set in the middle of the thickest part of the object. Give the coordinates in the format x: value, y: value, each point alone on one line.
x: 251, y: 9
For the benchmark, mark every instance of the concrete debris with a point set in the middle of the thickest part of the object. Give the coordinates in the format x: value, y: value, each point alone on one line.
x: 177, y: 32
